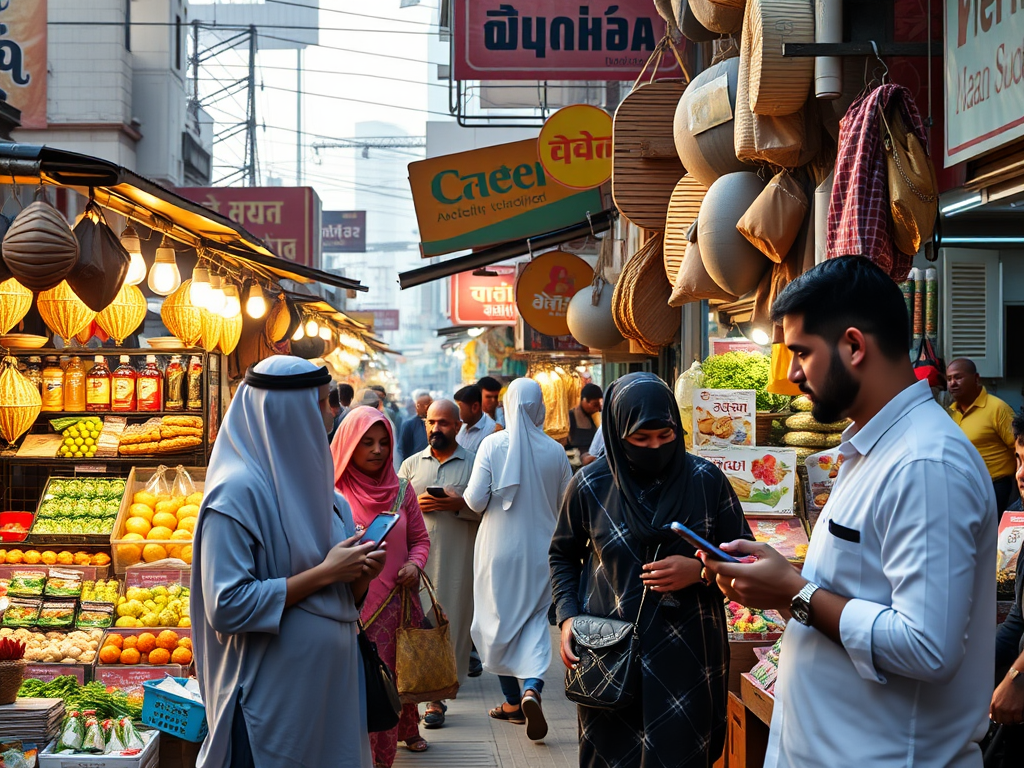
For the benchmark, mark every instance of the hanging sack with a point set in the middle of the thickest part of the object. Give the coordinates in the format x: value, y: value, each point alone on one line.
x: 606, y: 675
x: 102, y: 261
x: 693, y: 283
x: 930, y: 366
x: 425, y: 655
x: 913, y: 189
x: 773, y: 222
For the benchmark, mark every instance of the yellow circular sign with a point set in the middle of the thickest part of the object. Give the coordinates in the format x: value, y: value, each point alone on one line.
x: 546, y: 286
x: 575, y: 146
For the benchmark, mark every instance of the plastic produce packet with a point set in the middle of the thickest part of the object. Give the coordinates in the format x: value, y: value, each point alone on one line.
x: 72, y: 733
x: 14, y: 758
x: 93, y: 740
x: 130, y: 737
x: 115, y: 738
x: 158, y: 484
x: 182, y: 485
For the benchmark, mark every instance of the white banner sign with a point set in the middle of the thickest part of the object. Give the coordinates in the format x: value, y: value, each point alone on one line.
x: 984, y: 76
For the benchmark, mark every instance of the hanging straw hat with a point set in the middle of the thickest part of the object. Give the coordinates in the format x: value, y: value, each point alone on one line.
x: 779, y: 85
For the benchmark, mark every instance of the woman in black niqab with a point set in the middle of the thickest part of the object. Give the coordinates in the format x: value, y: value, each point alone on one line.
x: 611, y: 540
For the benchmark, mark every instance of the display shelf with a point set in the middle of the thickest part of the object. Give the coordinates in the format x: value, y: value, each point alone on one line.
x: 47, y: 415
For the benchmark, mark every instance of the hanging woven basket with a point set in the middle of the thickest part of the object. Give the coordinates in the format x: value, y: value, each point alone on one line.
x: 181, y: 317
x: 39, y: 248
x: 63, y: 312
x: 230, y: 333
x: 20, y: 401
x: 640, y: 303
x: 15, y: 302
x: 278, y: 321
x: 683, y: 208
x: 122, y: 316
x: 212, y: 325
x: 645, y: 165
x: 779, y: 85
x: 719, y: 17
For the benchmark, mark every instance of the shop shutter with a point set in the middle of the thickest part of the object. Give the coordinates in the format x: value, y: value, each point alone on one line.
x: 972, y: 308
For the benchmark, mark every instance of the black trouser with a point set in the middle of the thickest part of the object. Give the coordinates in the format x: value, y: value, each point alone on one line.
x: 241, y: 749
x: 1006, y: 493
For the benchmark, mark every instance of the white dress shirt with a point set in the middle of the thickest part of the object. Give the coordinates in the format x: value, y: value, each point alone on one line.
x: 909, y: 533
x: 471, y: 437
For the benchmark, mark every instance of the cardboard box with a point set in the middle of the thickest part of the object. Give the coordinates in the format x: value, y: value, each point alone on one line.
x: 148, y: 758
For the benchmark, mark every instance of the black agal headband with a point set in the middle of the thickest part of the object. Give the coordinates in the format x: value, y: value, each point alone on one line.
x: 308, y: 380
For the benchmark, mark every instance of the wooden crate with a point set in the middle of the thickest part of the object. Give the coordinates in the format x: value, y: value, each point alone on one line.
x: 747, y: 738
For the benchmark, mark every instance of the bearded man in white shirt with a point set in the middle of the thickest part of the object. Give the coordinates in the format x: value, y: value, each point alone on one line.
x: 889, y: 656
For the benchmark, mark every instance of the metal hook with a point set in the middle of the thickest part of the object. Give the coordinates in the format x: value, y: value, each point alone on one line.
x: 885, y: 68
x: 590, y: 221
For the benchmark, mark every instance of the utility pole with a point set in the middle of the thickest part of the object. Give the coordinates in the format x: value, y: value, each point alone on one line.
x: 298, y: 117
x: 250, y: 138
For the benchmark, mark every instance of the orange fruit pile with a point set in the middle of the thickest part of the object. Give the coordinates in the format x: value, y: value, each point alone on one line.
x: 154, y: 522
x: 48, y: 557
x: 146, y: 648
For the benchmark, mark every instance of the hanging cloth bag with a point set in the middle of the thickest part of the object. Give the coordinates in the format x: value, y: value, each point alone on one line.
x: 930, y: 366
x: 913, y: 189
x: 425, y: 655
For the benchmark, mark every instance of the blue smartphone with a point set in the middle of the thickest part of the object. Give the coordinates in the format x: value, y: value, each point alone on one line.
x: 699, y: 542
x: 379, y: 528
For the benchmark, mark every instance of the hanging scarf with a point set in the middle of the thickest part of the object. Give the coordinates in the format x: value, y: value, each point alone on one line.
x: 524, y: 420
x: 368, y: 496
x: 648, y: 503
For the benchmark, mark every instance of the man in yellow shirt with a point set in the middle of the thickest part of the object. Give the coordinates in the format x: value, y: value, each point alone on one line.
x: 986, y: 420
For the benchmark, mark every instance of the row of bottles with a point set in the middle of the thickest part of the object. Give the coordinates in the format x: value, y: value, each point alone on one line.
x: 73, y: 387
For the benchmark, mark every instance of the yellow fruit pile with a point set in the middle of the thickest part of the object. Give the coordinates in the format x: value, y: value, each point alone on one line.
x: 160, y: 606
x: 156, y: 521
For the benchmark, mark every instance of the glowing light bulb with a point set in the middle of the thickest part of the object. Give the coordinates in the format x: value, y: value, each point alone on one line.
x: 215, y: 300
x: 232, y: 302
x: 312, y: 327
x: 137, y: 266
x: 256, y: 304
x: 199, y: 290
x: 760, y: 336
x: 325, y: 333
x: 475, y: 332
x: 299, y: 334
x: 164, y: 277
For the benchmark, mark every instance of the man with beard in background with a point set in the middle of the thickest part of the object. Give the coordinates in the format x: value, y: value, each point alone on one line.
x: 894, y: 606
x: 439, y: 475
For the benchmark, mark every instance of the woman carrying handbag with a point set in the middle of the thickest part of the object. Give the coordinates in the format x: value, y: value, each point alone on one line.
x: 365, y: 475
x: 614, y: 568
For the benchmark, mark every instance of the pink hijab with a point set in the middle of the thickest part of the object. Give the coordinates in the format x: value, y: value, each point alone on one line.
x: 369, y: 496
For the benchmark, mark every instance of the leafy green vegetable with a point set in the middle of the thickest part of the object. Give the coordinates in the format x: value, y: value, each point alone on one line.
x: 743, y: 370
x: 92, y: 695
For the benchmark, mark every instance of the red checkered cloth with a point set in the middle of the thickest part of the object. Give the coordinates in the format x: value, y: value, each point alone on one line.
x: 859, y: 222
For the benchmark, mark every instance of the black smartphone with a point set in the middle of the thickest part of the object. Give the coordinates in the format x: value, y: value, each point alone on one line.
x: 437, y: 492
x: 379, y: 528
x: 699, y: 542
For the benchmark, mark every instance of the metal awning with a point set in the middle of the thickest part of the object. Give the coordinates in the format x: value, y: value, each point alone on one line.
x: 157, y: 207
x: 317, y: 306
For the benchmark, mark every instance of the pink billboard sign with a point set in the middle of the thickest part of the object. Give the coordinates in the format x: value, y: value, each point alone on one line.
x: 556, y: 40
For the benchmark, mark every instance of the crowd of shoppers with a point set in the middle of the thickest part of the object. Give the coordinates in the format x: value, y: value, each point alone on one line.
x: 894, y: 607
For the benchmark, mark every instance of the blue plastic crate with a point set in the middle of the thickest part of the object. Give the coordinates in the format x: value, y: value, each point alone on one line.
x: 173, y: 714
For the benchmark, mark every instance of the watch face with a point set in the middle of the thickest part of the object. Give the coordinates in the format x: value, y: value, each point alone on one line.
x: 800, y: 611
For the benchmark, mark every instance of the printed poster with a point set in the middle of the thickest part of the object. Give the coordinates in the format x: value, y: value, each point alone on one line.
x: 764, y: 478
x: 723, y: 417
x: 23, y: 59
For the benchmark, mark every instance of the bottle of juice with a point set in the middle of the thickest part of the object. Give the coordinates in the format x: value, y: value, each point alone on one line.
x: 34, y: 372
x: 122, y: 386
x: 74, y: 386
x: 150, y: 386
x: 174, y: 384
x: 53, y: 385
x: 97, y: 389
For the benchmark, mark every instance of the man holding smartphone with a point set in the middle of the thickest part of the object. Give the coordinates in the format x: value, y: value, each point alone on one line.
x: 888, y: 659
x: 442, y: 467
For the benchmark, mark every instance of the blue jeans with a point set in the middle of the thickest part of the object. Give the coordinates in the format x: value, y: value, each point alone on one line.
x: 510, y: 687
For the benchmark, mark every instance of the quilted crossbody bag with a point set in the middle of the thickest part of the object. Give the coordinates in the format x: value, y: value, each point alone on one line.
x: 607, y: 673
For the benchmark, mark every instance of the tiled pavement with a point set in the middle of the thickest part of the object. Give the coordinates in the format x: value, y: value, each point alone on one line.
x: 471, y: 739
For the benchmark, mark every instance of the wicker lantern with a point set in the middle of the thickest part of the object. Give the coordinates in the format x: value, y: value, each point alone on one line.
x: 230, y: 333
x: 124, y: 314
x: 40, y: 248
x: 15, y: 302
x: 63, y: 312
x: 212, y: 326
x: 83, y: 336
x: 182, y: 318
x: 279, y: 320
x: 20, y: 402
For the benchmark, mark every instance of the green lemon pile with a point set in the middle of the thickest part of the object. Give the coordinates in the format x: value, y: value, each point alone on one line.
x: 80, y: 439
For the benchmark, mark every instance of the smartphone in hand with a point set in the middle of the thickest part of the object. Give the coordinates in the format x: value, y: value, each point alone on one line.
x: 437, y: 492
x: 379, y: 528
x: 699, y: 542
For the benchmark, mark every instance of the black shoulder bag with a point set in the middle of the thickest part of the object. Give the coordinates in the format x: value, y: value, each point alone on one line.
x: 383, y: 705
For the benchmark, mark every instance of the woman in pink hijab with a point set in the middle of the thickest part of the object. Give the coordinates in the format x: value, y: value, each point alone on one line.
x: 365, y: 475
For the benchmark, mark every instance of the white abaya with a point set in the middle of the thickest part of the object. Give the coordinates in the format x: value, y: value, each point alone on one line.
x: 518, y: 481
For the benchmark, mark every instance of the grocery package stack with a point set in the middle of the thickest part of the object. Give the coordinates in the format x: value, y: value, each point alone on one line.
x: 808, y: 435
x: 32, y: 720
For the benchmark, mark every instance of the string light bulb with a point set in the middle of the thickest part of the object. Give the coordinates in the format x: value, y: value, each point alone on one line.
x: 256, y: 304
x: 137, y: 266
x: 199, y: 290
x: 325, y: 333
x: 232, y: 302
x: 299, y: 334
x: 164, y: 277
x: 312, y: 327
x: 215, y: 300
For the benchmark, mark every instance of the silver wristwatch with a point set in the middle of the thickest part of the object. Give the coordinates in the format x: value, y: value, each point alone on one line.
x: 800, y: 606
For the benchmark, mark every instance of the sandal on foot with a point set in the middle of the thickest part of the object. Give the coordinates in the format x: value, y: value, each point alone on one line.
x: 434, y: 716
x: 510, y: 716
x: 536, y: 723
x: 419, y: 744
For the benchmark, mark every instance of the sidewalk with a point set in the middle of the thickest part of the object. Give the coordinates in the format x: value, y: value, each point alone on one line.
x: 471, y: 739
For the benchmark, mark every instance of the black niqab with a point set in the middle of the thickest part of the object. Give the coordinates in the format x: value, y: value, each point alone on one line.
x: 648, y: 503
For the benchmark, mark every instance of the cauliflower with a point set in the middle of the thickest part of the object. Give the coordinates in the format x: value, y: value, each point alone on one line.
x: 33, y: 654
x: 87, y: 657
x: 52, y: 655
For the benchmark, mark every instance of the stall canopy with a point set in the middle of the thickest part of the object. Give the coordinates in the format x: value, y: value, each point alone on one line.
x: 316, y: 306
x: 156, y: 207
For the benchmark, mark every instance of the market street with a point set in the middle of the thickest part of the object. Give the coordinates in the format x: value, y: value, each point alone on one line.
x: 471, y: 739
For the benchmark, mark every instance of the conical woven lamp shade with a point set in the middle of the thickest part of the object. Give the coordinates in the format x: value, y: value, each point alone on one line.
x: 182, y: 318
x: 20, y: 402
x: 230, y: 333
x: 15, y: 302
x: 63, y: 312
x: 124, y: 314
x: 212, y: 325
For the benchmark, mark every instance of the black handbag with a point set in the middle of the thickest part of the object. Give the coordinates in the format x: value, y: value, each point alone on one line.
x: 383, y: 705
x: 606, y: 676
